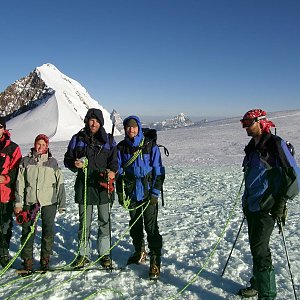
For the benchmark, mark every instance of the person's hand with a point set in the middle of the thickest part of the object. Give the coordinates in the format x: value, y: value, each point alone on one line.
x: 2, y: 178
x: 17, y: 210
x: 121, y: 198
x: 110, y: 175
x: 279, y: 211
x: 153, y: 200
x: 78, y: 163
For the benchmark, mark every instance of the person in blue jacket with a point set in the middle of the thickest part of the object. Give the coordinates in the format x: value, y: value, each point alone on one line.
x: 270, y: 173
x: 139, y: 182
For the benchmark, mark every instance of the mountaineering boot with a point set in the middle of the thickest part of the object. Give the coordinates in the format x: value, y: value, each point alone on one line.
x: 4, y: 260
x: 250, y: 291
x: 105, y: 262
x: 137, y: 257
x: 44, y: 263
x: 266, y: 285
x: 28, y: 264
x: 154, y: 271
x: 80, y: 262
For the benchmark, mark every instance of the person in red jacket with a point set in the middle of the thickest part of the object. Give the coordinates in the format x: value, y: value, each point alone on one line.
x: 10, y: 156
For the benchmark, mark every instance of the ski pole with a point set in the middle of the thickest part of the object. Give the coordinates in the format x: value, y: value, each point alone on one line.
x: 286, y: 253
x: 233, y: 245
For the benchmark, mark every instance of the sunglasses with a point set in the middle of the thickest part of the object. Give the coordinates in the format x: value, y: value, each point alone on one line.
x: 1, y: 126
x: 249, y: 122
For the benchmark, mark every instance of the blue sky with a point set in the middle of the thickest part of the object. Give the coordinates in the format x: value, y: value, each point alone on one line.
x: 161, y: 57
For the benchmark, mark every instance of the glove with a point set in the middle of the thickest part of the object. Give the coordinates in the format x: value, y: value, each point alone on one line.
x: 121, y: 198
x: 153, y: 200
x: 279, y: 211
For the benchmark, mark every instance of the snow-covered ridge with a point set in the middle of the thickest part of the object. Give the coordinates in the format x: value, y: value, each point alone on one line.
x: 61, y: 113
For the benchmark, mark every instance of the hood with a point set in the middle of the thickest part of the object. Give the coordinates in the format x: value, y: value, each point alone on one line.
x: 137, y: 140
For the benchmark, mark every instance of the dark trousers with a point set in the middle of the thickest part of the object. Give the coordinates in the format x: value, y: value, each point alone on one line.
x: 149, y: 219
x: 6, y: 211
x: 260, y: 227
x: 47, y: 215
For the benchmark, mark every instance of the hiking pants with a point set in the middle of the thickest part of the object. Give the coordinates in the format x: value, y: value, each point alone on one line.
x: 260, y: 227
x: 103, y: 239
x: 6, y: 211
x: 47, y: 215
x: 149, y: 219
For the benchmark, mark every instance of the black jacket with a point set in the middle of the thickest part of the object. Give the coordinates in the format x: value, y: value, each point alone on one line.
x: 101, y: 152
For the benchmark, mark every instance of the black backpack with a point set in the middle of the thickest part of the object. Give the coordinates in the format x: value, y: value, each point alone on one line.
x: 151, y: 140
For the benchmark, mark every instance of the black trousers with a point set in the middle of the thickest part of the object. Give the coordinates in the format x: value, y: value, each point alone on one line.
x: 260, y: 227
x: 149, y: 220
x: 47, y: 215
x: 6, y: 224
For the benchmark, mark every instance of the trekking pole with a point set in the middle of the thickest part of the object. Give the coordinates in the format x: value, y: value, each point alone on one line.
x: 110, y: 238
x: 233, y: 245
x: 279, y: 223
x: 110, y: 194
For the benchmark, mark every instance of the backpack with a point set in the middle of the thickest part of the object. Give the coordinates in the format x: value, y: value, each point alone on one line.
x: 151, y: 134
x: 150, y: 141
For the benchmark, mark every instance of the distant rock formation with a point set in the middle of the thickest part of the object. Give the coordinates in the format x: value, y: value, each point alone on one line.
x: 178, y: 121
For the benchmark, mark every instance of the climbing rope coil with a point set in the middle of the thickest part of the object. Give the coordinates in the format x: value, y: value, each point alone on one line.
x: 84, y: 240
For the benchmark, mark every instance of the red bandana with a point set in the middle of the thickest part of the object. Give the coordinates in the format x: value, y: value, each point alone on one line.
x: 260, y: 114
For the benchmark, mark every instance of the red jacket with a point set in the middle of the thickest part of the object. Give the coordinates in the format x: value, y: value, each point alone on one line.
x: 10, y: 156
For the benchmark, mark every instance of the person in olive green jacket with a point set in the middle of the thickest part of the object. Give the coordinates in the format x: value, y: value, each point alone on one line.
x: 39, y: 186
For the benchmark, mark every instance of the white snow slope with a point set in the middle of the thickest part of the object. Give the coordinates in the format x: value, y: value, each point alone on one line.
x: 203, y: 178
x: 62, y: 114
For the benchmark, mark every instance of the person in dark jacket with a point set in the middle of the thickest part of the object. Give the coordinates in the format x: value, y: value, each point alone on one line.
x: 270, y: 173
x: 139, y: 181
x: 10, y: 156
x: 92, y: 145
x: 39, y: 186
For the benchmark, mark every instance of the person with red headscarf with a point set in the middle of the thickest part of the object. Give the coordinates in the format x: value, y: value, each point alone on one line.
x: 270, y: 174
x: 39, y: 186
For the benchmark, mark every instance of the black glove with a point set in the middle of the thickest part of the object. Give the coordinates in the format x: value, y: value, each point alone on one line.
x: 279, y: 211
x: 153, y: 200
x: 121, y: 198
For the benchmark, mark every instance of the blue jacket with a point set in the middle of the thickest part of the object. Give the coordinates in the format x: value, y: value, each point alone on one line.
x: 271, y: 174
x: 145, y: 175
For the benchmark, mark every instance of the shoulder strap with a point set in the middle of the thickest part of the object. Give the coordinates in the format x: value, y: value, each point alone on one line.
x: 135, y: 155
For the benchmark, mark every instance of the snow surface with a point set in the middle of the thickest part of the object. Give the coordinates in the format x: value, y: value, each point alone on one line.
x: 61, y: 114
x: 203, y: 178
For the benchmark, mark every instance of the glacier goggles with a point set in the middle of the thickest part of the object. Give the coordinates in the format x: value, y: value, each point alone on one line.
x: 248, y: 122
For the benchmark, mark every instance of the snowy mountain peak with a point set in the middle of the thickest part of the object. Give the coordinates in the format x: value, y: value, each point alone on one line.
x: 181, y: 120
x: 49, y: 102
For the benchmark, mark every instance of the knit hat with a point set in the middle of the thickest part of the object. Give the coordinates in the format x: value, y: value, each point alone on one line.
x: 257, y: 115
x: 42, y: 137
x: 94, y: 113
x: 3, y: 122
x: 131, y: 123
